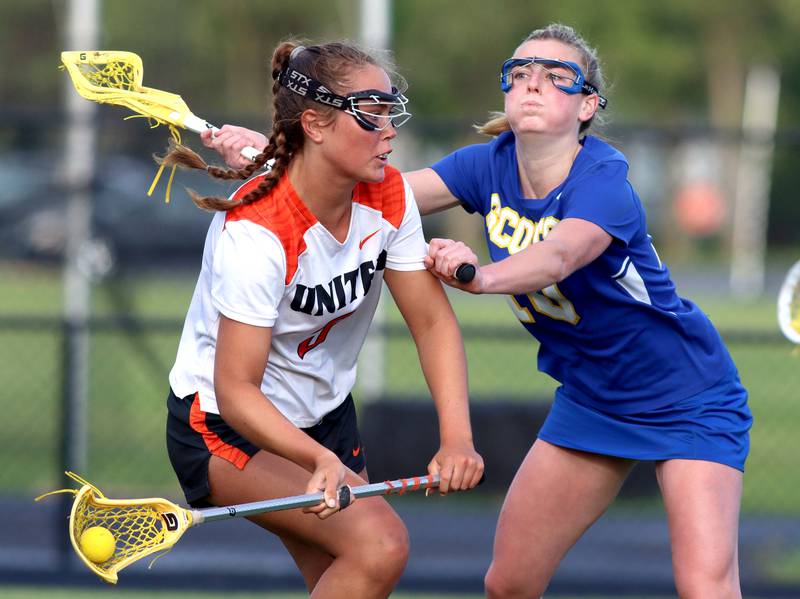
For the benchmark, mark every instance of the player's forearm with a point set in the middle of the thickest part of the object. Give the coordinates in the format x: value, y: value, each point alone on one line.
x: 427, y: 312
x: 536, y: 267
x: 444, y: 365
x: 244, y: 407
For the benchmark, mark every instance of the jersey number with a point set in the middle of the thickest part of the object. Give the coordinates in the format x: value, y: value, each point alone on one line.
x: 550, y: 302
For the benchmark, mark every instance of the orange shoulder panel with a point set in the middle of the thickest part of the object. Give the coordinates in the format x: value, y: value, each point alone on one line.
x: 281, y: 212
x: 388, y: 196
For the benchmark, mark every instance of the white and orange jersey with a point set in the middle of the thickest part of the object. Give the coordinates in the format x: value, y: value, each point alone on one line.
x: 272, y: 264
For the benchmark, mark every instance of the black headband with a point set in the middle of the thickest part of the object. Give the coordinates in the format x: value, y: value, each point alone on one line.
x: 303, y: 85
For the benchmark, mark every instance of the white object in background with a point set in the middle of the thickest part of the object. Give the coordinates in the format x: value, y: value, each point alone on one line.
x: 751, y: 202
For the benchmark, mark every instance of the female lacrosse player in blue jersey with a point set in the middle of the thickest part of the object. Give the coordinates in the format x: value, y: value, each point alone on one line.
x: 644, y: 375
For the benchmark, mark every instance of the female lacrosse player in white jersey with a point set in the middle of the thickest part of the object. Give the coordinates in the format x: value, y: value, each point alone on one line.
x: 292, y: 271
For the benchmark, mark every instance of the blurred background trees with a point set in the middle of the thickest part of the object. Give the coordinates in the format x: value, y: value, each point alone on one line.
x: 673, y: 67
x: 679, y: 61
x: 677, y: 73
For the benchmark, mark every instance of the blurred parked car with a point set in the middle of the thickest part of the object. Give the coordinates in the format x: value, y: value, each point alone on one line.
x: 126, y: 224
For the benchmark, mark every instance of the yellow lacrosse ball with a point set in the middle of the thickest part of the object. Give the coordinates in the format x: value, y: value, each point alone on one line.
x: 98, y: 544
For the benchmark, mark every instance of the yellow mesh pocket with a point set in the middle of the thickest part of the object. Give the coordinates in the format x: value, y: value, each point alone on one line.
x: 115, y: 74
x: 115, y: 77
x: 140, y: 526
x: 135, y: 527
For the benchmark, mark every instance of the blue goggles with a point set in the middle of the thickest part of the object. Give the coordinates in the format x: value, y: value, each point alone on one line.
x: 565, y: 75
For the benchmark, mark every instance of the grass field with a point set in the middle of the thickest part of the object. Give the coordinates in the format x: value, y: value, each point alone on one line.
x: 128, y: 381
x: 127, y: 387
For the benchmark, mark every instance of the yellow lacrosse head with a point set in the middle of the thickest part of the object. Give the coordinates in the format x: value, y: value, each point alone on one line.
x: 115, y: 77
x: 140, y: 526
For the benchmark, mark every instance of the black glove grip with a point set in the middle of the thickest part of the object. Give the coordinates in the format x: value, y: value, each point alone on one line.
x: 344, y: 497
x: 465, y: 273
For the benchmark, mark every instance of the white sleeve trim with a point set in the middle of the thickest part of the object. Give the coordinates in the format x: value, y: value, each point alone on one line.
x: 244, y: 318
x: 631, y: 281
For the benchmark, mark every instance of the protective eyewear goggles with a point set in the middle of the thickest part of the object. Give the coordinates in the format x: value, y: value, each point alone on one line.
x: 565, y: 75
x: 372, y: 109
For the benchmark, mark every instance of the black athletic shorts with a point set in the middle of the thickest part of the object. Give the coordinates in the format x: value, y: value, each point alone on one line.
x: 193, y: 436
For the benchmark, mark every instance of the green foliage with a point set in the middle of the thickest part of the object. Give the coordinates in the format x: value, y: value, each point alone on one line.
x: 218, y: 53
x: 674, y: 65
x: 659, y: 56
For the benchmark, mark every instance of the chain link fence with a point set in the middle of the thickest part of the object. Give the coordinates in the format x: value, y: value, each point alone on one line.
x: 136, y: 317
x: 126, y: 454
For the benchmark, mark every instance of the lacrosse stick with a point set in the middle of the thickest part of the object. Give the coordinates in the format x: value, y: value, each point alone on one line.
x: 145, y: 526
x: 789, y: 304
x: 115, y: 77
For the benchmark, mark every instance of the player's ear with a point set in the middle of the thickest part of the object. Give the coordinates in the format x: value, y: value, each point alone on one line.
x: 313, y: 123
x: 589, y: 106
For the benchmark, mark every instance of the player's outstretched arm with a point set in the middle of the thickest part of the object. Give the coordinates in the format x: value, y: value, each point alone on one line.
x: 430, y: 192
x: 572, y: 244
x: 427, y: 312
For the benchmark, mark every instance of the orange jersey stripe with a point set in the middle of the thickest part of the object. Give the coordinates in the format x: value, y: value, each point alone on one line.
x: 217, y: 447
x: 282, y: 212
x: 388, y: 196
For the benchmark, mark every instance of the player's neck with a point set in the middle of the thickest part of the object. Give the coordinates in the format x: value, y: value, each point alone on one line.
x: 544, y: 164
x: 327, y: 196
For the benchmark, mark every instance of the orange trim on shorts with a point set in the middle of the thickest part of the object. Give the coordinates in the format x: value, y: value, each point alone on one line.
x: 215, y: 445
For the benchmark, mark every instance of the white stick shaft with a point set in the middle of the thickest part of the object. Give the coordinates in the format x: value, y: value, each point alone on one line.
x: 198, y: 125
x: 389, y: 487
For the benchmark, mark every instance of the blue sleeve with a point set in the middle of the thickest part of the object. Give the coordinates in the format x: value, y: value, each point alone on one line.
x: 460, y: 172
x: 604, y: 196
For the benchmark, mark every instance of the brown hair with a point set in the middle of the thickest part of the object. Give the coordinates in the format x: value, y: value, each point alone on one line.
x: 329, y: 64
x: 498, y: 122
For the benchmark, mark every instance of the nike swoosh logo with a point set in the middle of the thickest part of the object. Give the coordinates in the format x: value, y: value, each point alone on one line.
x: 319, y: 336
x: 363, y: 241
x: 356, y: 451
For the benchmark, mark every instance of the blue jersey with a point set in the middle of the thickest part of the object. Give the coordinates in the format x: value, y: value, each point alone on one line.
x: 615, y: 333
